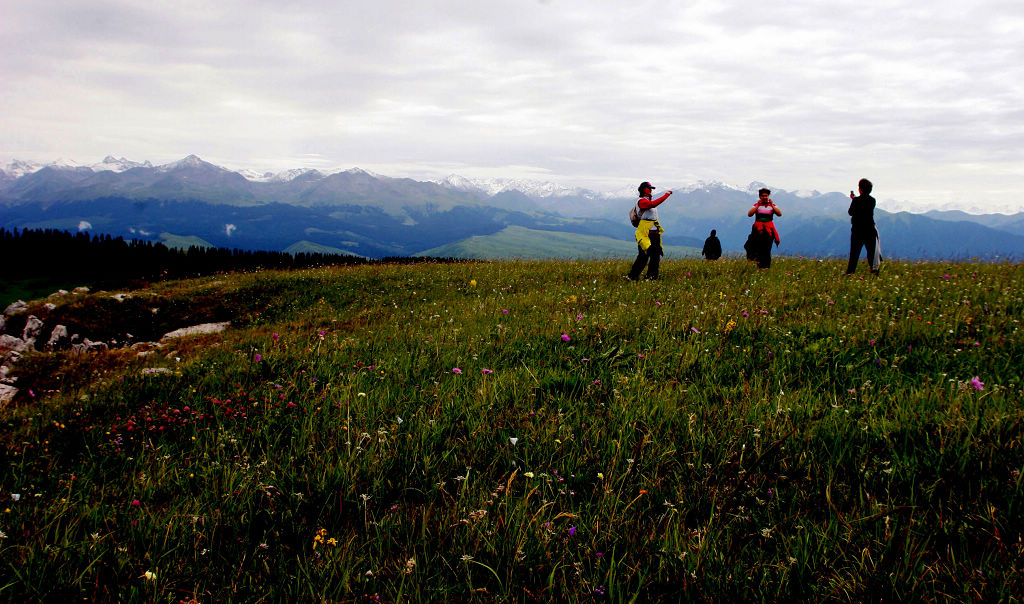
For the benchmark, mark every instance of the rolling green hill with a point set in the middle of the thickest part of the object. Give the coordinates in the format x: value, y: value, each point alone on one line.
x: 308, y: 247
x: 183, y: 241
x: 521, y: 242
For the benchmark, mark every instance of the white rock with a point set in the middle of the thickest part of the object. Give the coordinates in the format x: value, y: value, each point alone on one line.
x: 16, y: 307
x: 196, y: 330
x: 58, y: 338
x: 7, y: 393
x: 33, y: 327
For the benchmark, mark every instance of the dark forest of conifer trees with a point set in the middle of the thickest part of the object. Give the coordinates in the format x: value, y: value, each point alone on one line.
x: 109, y: 262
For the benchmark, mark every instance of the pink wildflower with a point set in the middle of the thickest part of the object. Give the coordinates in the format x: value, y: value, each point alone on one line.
x: 257, y: 357
x: 486, y: 371
x: 978, y: 384
x: 456, y: 370
x: 565, y: 337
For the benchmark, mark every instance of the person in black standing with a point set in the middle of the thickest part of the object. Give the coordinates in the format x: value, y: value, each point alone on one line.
x: 712, y: 247
x: 862, y: 227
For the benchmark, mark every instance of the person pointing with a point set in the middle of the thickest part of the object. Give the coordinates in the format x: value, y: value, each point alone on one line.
x: 648, y: 233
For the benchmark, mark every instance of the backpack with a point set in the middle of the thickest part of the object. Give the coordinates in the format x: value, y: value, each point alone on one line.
x: 634, y: 217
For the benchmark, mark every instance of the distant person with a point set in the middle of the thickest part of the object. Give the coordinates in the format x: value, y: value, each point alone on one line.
x: 763, y: 233
x: 712, y: 247
x: 862, y: 228
x: 648, y: 233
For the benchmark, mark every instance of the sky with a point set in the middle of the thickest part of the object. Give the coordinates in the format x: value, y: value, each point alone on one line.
x: 924, y: 97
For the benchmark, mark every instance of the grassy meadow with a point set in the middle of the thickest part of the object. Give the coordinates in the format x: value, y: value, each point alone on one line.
x: 530, y: 431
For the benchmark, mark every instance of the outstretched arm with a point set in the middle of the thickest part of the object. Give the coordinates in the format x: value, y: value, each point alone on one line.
x: 646, y: 204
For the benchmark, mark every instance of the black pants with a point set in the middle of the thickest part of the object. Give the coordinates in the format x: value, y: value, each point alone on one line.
x: 652, y: 255
x: 862, y: 238
x: 759, y: 247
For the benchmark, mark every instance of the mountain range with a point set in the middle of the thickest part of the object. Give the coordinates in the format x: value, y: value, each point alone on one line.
x: 194, y: 202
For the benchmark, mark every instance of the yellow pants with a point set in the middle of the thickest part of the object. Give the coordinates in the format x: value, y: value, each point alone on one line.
x: 643, y: 237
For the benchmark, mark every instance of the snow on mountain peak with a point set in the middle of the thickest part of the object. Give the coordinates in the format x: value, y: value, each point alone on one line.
x: 192, y: 161
x: 285, y: 176
x: 115, y: 164
x: 494, y: 186
x: 17, y: 168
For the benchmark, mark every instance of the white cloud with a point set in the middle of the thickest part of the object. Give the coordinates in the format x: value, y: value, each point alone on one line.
x: 84, y: 225
x: 229, y: 229
x: 804, y: 95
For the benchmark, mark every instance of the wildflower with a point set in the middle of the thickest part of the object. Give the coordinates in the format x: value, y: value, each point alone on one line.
x: 600, y: 476
x: 257, y: 357
x: 513, y: 440
x: 149, y: 575
x: 486, y: 371
x: 136, y: 503
x: 456, y: 370
x: 572, y: 531
x: 410, y: 565
x: 332, y: 542
x: 528, y: 474
x: 319, y: 537
x: 276, y: 337
x: 694, y: 330
x: 466, y: 557
x: 978, y: 384
x: 565, y: 337
x: 504, y: 311
x: 579, y: 317
x: 657, y: 303
x: 472, y: 282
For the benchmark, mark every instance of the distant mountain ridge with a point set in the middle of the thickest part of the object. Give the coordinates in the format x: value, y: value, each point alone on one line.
x: 356, y: 212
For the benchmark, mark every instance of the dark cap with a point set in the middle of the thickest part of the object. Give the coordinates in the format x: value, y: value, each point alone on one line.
x: 646, y: 185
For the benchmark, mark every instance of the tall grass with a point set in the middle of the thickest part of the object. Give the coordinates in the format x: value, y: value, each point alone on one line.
x: 535, y: 431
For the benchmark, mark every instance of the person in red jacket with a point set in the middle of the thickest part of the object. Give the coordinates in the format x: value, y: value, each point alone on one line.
x: 763, y: 233
x: 648, y: 233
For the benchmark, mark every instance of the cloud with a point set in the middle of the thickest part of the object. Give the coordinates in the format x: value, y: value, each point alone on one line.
x: 229, y: 229
x: 84, y: 225
x: 806, y: 95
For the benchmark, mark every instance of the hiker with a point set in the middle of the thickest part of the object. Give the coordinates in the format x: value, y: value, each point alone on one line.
x: 762, y: 233
x: 648, y: 233
x: 712, y: 247
x: 862, y: 228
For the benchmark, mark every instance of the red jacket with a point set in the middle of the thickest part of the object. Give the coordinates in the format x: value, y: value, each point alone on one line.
x: 646, y: 203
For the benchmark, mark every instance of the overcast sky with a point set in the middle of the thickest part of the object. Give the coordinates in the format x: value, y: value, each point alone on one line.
x: 925, y: 97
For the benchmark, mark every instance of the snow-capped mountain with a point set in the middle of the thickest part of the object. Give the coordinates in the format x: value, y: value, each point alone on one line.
x: 531, y: 188
x: 118, y: 164
x: 285, y: 176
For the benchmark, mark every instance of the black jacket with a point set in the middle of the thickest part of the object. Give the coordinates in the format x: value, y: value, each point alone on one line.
x: 712, y: 248
x: 862, y: 212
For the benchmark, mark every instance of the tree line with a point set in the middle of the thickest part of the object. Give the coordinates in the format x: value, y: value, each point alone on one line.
x: 110, y: 262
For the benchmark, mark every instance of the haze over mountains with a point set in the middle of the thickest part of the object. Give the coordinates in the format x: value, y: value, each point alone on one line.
x: 193, y: 202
